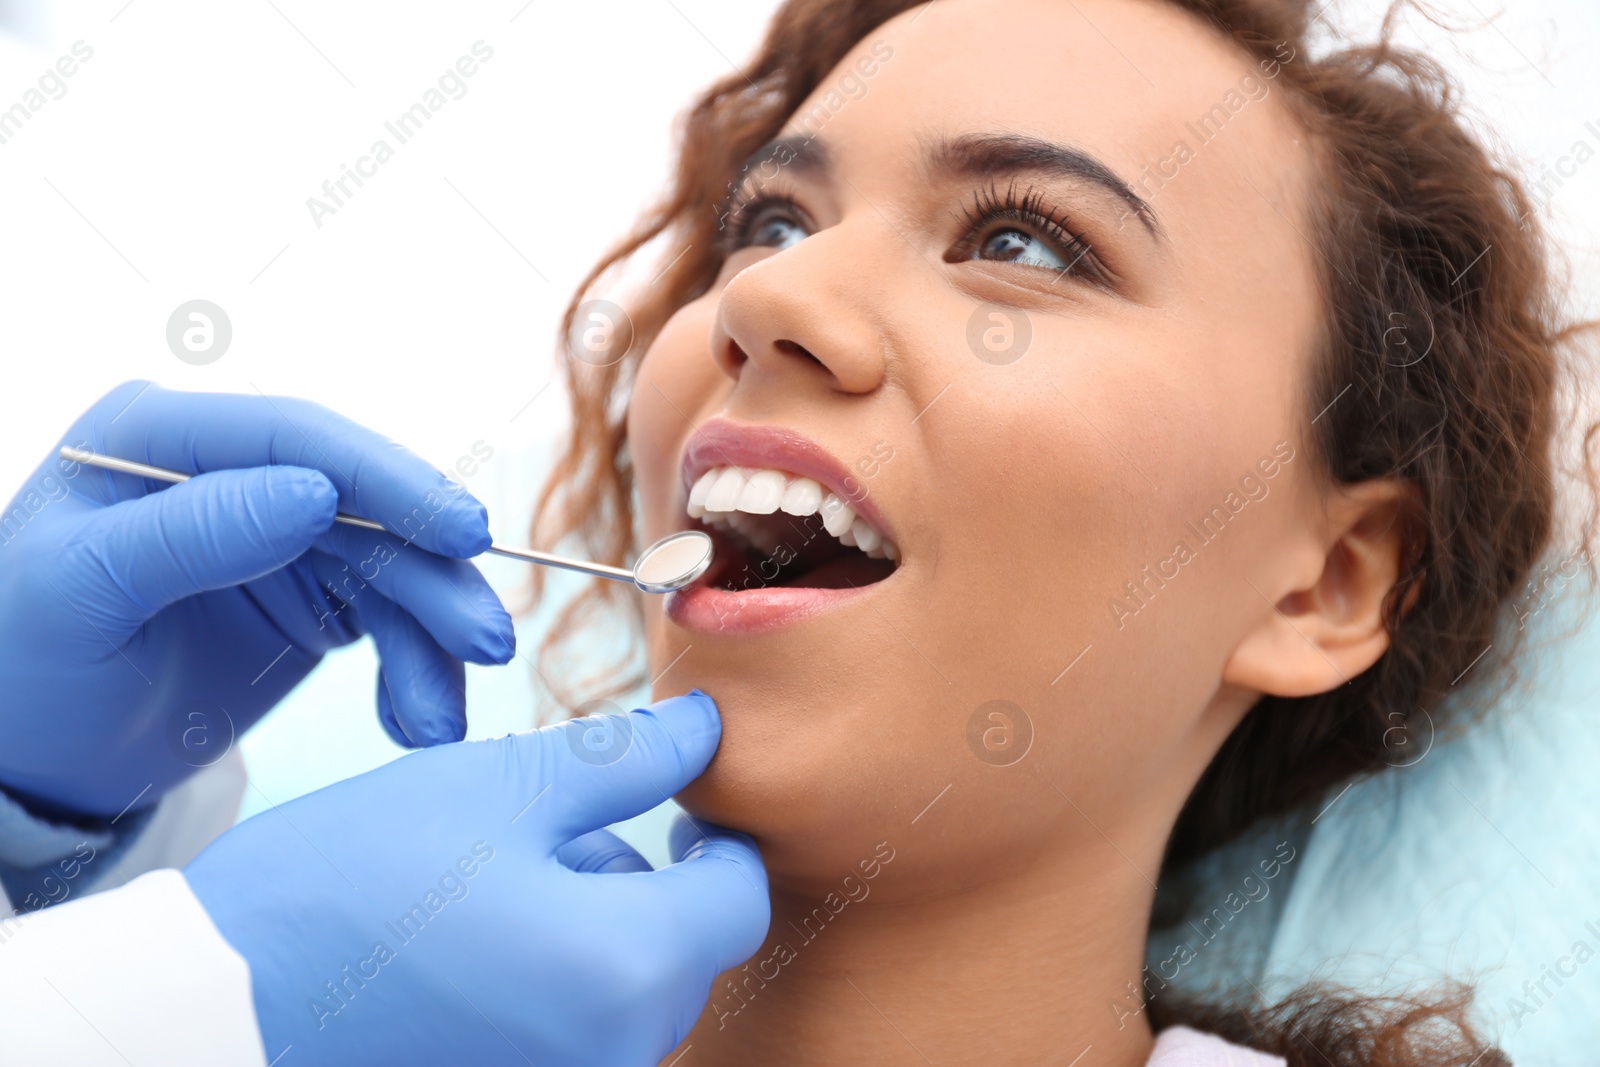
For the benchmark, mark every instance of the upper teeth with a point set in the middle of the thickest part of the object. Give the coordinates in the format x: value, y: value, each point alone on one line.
x: 723, y: 492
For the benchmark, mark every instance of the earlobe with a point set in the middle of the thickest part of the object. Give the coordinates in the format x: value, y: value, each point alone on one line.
x: 1323, y: 627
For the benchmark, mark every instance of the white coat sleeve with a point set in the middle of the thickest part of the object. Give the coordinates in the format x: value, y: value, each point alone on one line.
x: 191, y: 816
x: 44, y: 863
x: 136, y: 974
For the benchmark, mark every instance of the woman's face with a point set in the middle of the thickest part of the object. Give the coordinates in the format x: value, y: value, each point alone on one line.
x: 1027, y: 288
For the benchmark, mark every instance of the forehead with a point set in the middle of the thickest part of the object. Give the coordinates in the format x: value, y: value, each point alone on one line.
x: 1196, y: 126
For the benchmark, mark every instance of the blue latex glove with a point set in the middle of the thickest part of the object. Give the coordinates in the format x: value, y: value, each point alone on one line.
x: 460, y: 905
x: 144, y: 625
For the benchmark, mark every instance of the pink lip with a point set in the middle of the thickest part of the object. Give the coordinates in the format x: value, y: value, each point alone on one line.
x: 752, y: 611
x: 757, y: 608
x: 721, y: 443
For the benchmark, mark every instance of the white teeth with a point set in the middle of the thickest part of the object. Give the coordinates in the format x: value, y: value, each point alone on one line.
x: 803, y: 497
x: 866, y: 538
x: 725, y: 491
x: 701, y: 490
x: 763, y: 492
x: 730, y: 497
x: 836, y: 515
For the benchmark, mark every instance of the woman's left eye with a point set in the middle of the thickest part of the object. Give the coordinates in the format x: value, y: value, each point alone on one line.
x: 1012, y: 245
x: 1019, y: 227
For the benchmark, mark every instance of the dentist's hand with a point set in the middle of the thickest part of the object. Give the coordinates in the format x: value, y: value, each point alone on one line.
x: 460, y: 905
x: 143, y: 626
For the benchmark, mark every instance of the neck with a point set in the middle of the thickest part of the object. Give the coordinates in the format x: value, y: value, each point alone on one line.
x: 1037, y: 967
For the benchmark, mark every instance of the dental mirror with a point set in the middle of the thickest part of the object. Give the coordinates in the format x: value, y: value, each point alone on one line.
x: 671, y: 563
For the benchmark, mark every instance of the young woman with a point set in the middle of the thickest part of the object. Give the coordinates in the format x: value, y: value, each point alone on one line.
x: 1115, y: 419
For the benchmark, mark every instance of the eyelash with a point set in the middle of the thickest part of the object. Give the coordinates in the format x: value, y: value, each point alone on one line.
x: 744, y: 207
x: 1030, y: 211
x: 1025, y: 210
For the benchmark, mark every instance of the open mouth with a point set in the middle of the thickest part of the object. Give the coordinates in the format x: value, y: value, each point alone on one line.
x: 795, y: 532
x: 776, y: 530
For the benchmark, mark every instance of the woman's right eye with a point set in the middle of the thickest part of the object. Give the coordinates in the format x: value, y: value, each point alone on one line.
x: 774, y: 225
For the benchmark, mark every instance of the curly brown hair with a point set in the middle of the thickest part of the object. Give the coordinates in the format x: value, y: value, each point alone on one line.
x: 1420, y: 231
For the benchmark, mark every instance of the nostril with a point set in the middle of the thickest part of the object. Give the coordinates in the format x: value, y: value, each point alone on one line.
x: 790, y: 348
x: 729, y: 356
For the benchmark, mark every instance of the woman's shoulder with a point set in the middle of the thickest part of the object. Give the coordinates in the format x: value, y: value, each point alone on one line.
x: 1179, y: 1046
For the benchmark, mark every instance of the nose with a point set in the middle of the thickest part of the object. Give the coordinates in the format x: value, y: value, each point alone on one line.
x: 800, y: 315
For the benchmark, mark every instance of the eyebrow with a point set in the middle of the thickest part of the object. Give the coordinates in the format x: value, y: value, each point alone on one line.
x: 803, y: 154
x: 987, y: 155
x: 973, y: 156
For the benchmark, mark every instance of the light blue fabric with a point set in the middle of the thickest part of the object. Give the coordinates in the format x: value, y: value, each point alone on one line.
x: 44, y: 862
x: 1478, y: 861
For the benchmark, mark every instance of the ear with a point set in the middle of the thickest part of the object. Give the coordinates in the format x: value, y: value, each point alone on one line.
x: 1326, y: 624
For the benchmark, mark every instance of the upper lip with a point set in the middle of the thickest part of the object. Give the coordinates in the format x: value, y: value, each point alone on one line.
x: 725, y: 443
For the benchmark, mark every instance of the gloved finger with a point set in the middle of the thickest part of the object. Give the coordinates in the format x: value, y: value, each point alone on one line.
x: 213, y: 531
x: 601, y: 852
x: 386, y: 719
x: 426, y: 686
x: 375, y: 478
x: 716, y: 888
x: 602, y: 769
x: 449, y: 597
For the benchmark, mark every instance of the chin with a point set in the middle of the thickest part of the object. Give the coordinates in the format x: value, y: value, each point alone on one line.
x: 788, y: 775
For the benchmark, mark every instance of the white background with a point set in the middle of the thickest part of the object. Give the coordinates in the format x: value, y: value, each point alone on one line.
x: 178, y: 165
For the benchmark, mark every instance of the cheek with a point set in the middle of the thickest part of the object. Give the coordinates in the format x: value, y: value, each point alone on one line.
x: 677, y: 384
x: 1089, y: 472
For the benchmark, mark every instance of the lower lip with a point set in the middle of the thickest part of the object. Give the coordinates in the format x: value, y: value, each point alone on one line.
x: 705, y: 610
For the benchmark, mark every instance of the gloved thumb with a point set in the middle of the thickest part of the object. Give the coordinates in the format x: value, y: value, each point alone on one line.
x: 597, y: 770
x: 215, y: 530
x: 601, y: 852
x: 717, y: 888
